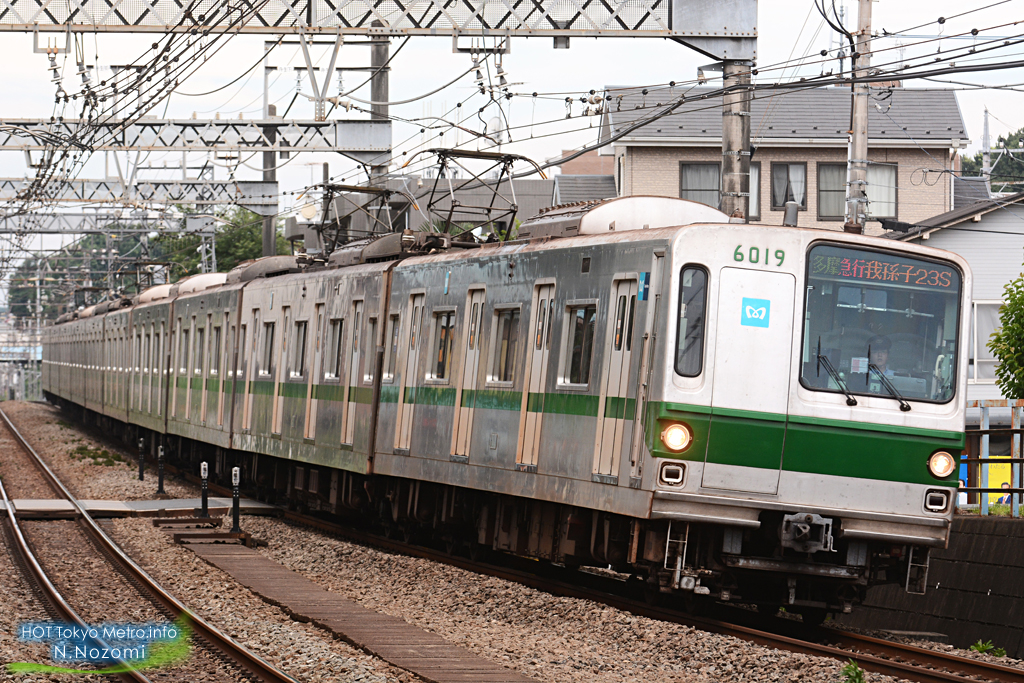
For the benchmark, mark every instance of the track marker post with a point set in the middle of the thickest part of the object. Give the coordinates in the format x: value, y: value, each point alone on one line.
x: 235, y: 479
x: 142, y: 459
x: 160, y: 469
x: 204, y: 471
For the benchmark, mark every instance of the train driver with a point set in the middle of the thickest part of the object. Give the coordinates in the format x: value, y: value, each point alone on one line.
x: 878, y: 347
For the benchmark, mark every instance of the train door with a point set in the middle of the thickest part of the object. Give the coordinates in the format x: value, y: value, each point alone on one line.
x: 403, y: 433
x: 613, y: 402
x: 353, y: 372
x: 645, y: 346
x: 541, y: 321
x: 753, y: 346
x: 465, y: 395
x: 314, y: 373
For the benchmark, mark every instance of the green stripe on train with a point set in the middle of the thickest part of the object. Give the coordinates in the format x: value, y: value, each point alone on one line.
x: 804, y: 444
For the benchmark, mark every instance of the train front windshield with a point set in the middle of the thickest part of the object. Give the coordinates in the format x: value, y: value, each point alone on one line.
x: 880, y: 323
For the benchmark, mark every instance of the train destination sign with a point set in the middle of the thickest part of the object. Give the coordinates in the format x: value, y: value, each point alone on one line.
x: 855, y: 264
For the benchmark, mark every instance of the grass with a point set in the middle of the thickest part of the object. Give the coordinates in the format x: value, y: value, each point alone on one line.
x: 98, y: 456
x: 852, y: 673
x: 988, y: 648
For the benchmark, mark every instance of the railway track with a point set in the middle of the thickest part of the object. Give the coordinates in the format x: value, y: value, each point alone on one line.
x: 58, y: 606
x: 872, y: 654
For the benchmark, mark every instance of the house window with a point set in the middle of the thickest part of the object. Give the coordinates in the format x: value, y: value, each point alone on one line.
x: 984, y: 321
x: 583, y: 320
x: 505, y: 345
x: 789, y: 184
x: 831, y: 191
x: 700, y: 183
x: 881, y: 191
x: 444, y: 333
x: 754, y: 208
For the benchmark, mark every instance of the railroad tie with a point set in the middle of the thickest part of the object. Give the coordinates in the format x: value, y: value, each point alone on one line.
x: 401, y: 644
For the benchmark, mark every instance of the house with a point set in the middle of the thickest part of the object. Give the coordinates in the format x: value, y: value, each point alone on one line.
x: 799, y: 150
x: 989, y: 234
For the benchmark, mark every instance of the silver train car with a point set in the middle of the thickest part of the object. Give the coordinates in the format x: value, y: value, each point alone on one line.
x: 745, y: 412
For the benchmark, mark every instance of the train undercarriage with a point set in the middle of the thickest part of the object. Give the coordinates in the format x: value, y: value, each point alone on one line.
x: 798, y: 562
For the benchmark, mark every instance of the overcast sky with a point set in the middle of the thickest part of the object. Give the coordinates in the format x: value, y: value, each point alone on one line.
x: 786, y: 28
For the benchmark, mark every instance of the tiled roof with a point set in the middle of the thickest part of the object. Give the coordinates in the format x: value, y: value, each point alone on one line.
x: 930, y: 117
x: 968, y: 190
x: 581, y: 188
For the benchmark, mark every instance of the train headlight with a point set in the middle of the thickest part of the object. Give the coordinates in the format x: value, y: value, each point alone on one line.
x: 941, y: 464
x: 676, y: 437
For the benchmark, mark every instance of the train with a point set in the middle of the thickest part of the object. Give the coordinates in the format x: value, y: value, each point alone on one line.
x: 726, y: 411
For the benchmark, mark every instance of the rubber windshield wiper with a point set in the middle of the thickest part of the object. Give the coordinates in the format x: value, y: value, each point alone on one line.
x: 823, y: 361
x: 904, y: 406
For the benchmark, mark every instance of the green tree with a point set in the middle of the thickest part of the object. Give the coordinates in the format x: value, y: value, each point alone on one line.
x: 1007, y: 169
x: 1007, y: 342
x: 239, y: 237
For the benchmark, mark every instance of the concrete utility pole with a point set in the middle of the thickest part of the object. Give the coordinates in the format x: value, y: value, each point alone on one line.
x: 270, y: 176
x: 857, y: 162
x: 736, y: 139
x: 379, y: 54
x: 986, y: 156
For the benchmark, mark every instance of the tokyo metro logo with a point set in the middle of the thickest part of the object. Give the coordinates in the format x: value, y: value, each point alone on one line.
x: 755, y: 312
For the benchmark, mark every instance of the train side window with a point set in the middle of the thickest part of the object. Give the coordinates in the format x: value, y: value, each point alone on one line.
x: 335, y: 349
x: 215, y: 352
x: 371, y: 346
x: 506, y: 343
x: 444, y: 333
x: 200, y: 352
x: 268, y: 348
x: 394, y: 327
x: 620, y: 321
x: 183, y: 349
x: 299, y: 359
x: 583, y: 322
x: 629, y: 322
x: 693, y: 286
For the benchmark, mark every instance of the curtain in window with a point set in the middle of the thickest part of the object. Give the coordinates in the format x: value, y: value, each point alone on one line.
x: 881, y: 191
x: 798, y: 183
x: 700, y: 183
x: 755, y: 190
x: 780, y: 184
x: 831, y: 191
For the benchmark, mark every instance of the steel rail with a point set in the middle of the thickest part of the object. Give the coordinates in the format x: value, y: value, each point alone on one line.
x: 50, y: 592
x: 237, y: 652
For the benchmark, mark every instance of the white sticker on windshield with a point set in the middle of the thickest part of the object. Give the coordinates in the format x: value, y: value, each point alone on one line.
x: 858, y: 365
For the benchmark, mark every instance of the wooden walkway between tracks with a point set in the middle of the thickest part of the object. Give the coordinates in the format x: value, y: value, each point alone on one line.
x: 423, y: 653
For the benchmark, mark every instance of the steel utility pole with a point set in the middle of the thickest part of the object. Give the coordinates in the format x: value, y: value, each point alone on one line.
x: 736, y: 139
x: 270, y: 176
x: 986, y: 156
x: 857, y: 161
x: 379, y: 53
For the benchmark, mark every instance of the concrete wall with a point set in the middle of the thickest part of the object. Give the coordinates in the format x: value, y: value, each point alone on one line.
x: 655, y: 170
x: 975, y: 589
